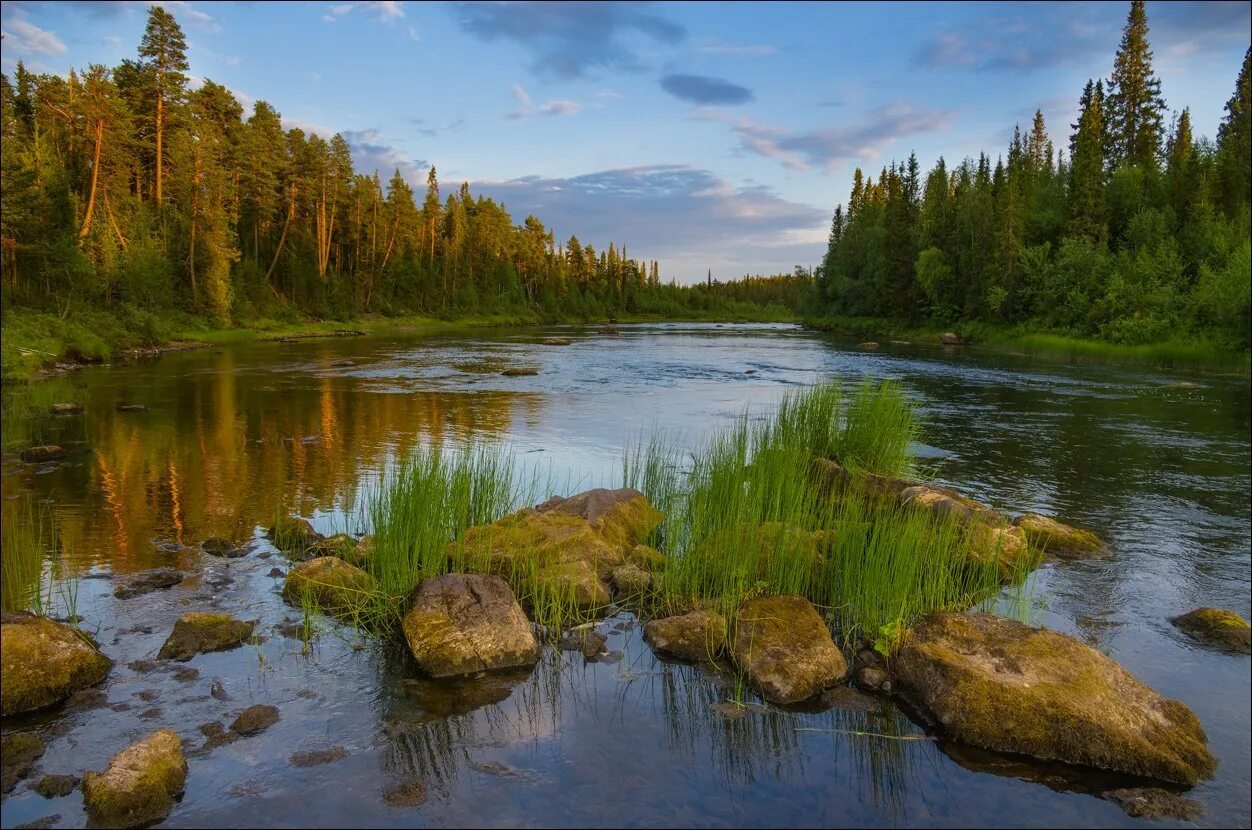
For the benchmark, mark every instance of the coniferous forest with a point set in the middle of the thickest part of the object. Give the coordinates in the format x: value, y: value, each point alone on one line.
x: 1133, y: 230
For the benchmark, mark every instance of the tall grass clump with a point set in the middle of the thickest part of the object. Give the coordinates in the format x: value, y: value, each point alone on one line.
x: 29, y: 543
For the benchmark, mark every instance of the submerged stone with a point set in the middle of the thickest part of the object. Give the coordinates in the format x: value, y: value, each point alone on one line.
x: 43, y: 662
x: 1155, y: 803
x: 140, y: 785
x: 18, y: 753
x: 145, y: 582
x: 42, y: 453
x: 1056, y: 538
x: 254, y: 720
x: 519, y: 373
x: 199, y: 631
x: 410, y: 792
x: 785, y: 649
x: 330, y: 584
x: 1217, y: 627
x: 317, y: 757
x: 293, y: 535
x: 55, y: 786
x: 66, y: 408
x: 1001, y: 685
x: 467, y: 623
x: 557, y: 341
x: 699, y: 635
x: 588, y: 641
x: 219, y: 546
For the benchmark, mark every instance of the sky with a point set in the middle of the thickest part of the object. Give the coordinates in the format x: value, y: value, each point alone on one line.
x: 709, y: 136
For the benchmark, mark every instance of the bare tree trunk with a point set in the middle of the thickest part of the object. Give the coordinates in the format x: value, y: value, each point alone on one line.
x: 195, y: 199
x: 95, y: 177
x: 291, y: 211
x: 113, y: 221
x: 160, y: 137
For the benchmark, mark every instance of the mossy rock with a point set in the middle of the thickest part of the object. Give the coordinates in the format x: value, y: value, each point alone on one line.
x: 528, y: 539
x: 519, y: 372
x: 254, y: 720
x: 838, y: 480
x: 200, y: 631
x: 1056, y: 538
x: 761, y: 545
x: 18, y: 753
x: 944, y: 501
x: 44, y: 662
x: 293, y: 535
x: 1005, y: 547
x: 573, y: 584
x: 330, y: 584
x: 631, y: 580
x: 646, y: 557
x: 1001, y: 685
x: 42, y: 453
x: 699, y: 635
x: 1217, y: 627
x: 624, y: 517
x: 141, y: 784
x: 785, y: 649
x: 341, y: 545
x: 462, y: 624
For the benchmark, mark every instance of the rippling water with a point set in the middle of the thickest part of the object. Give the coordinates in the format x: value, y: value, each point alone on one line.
x: 235, y: 436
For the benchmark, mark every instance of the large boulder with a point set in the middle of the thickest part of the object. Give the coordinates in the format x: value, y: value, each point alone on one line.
x: 141, y: 784
x: 200, y: 631
x: 699, y: 635
x: 1001, y: 685
x: 44, y: 662
x: 467, y: 623
x: 329, y: 583
x: 785, y: 649
x: 515, y: 544
x: 1217, y: 627
x: 293, y: 535
x: 574, y: 585
x: 1056, y: 538
x: 623, y: 516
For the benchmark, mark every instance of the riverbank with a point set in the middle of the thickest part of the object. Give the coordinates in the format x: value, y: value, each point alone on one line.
x: 1187, y: 354
x: 38, y: 344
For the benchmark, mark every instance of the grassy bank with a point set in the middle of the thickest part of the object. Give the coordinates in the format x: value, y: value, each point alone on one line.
x: 35, y: 341
x: 1191, y: 354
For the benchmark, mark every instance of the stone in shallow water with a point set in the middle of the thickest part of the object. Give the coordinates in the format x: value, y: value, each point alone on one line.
x: 293, y: 535
x: 140, y: 785
x: 1001, y: 685
x: 198, y: 631
x: 574, y: 584
x: 467, y: 623
x: 18, y: 753
x: 1155, y: 803
x: 316, y: 757
x: 1056, y: 538
x: 43, y: 662
x: 785, y: 649
x: 42, y: 453
x: 699, y: 635
x: 328, y: 583
x: 222, y: 547
x: 588, y: 641
x: 55, y: 786
x: 1217, y: 627
x: 410, y: 792
x: 145, y: 582
x: 254, y: 720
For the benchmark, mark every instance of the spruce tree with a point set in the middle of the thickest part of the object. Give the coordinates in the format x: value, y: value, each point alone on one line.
x: 1234, y: 144
x: 1134, y: 105
x: 164, y: 50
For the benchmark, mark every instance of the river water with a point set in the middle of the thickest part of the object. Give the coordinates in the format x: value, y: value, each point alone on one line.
x: 1155, y: 463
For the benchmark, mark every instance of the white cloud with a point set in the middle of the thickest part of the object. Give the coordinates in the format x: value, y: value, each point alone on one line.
x: 28, y: 39
x: 385, y: 11
x: 526, y: 107
x: 188, y: 13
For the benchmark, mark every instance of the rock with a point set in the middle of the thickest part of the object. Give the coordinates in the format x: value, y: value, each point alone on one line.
x: 1057, y: 539
x: 586, y: 640
x: 142, y: 666
x: 315, y: 757
x: 648, y: 558
x: 945, y: 501
x: 557, y: 341
x: 529, y: 539
x: 1155, y: 803
x: 40, y: 823
x: 871, y: 677
x: 631, y: 580
x: 254, y: 720
x: 1001, y: 685
x: 573, y: 584
x: 132, y: 407
x: 218, y: 546
x: 785, y: 649
x: 42, y: 453
x: 18, y: 753
x: 623, y: 516
x: 329, y: 583
x: 140, y: 785
x: 700, y: 635
x: 217, y: 691
x: 949, y: 338
x: 186, y: 675
x: 466, y: 623
x: 145, y: 582
x: 43, y: 662
x: 215, y: 735
x: 837, y: 479
x: 519, y: 373
x: 1216, y: 627
x: 410, y: 792
x: 291, y: 534
x: 199, y: 631
x: 66, y: 408
x: 341, y: 545
x: 869, y: 345
x: 1003, y: 546
x: 55, y: 786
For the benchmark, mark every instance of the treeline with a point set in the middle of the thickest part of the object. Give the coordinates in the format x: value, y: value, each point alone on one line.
x: 126, y: 188
x: 1136, y: 232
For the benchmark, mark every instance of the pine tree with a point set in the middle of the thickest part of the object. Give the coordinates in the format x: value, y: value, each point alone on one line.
x: 1087, y: 168
x: 1234, y: 144
x: 165, y: 52
x: 1135, y: 109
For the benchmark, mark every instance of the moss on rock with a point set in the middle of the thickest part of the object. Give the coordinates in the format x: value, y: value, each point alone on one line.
x: 631, y: 580
x: 467, y: 623
x: 699, y: 635
x: 785, y: 649
x: 43, y: 662
x: 329, y: 583
x: 522, y: 541
x: 1056, y: 538
x: 18, y: 753
x: 1001, y: 685
x: 1217, y: 627
x: 569, y: 584
x: 623, y: 517
x: 199, y: 631
x: 140, y: 785
x: 293, y: 535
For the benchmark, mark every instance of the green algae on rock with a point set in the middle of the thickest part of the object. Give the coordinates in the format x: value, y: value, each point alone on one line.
x: 573, y: 585
x: 43, y: 662
x: 293, y: 535
x: 141, y: 784
x: 200, y: 631
x: 467, y: 623
x: 1057, y: 538
x: 18, y: 753
x: 1217, y: 627
x: 329, y: 583
x: 1002, y: 685
x: 785, y: 648
x: 698, y: 635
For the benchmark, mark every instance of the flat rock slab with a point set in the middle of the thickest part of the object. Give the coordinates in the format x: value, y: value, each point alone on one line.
x: 221, y: 547
x: 145, y: 582
x: 1001, y: 685
x: 785, y: 648
x: 140, y: 785
x: 43, y: 662
x: 198, y: 631
x: 467, y: 623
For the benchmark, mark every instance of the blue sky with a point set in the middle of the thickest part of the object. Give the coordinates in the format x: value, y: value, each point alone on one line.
x: 703, y: 135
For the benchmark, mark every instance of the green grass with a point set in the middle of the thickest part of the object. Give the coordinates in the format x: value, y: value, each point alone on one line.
x: 31, y: 574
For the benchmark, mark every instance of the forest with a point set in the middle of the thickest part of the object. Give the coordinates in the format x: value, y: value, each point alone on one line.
x: 1136, y: 231
x: 135, y: 203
